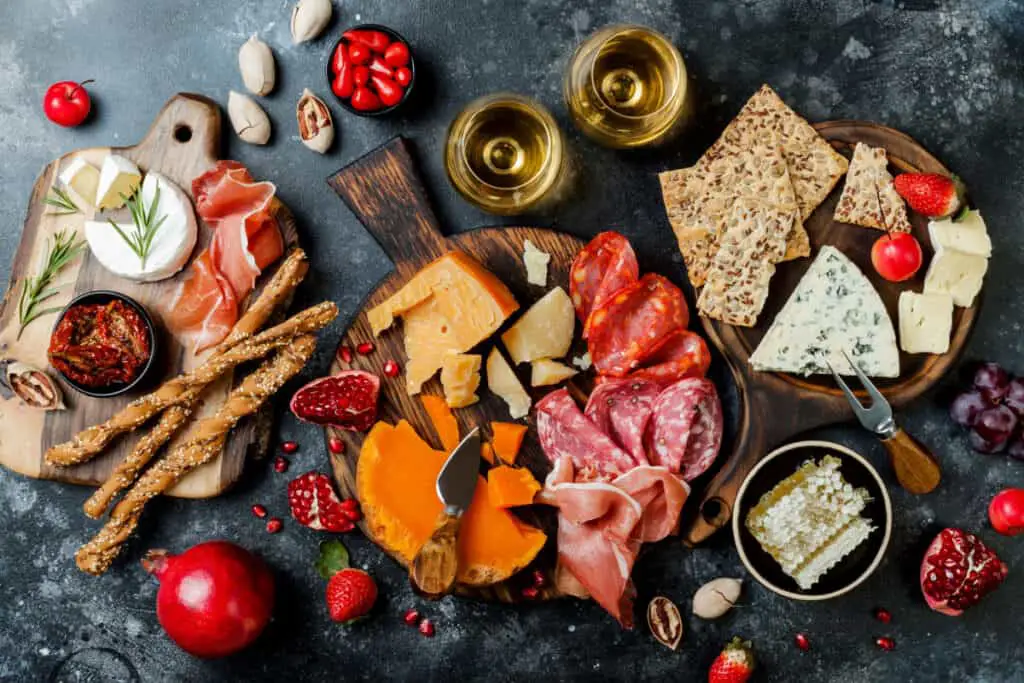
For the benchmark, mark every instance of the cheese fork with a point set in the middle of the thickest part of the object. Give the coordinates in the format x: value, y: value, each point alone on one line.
x: 916, y: 468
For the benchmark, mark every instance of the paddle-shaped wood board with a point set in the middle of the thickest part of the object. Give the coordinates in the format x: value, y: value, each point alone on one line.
x: 182, y: 143
x: 775, y: 407
x: 384, y: 191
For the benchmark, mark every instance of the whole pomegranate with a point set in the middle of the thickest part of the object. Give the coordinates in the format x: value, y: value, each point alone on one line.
x: 1006, y: 512
x: 214, y: 599
x: 958, y: 571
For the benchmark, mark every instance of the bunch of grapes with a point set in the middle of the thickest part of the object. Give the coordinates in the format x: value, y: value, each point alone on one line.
x: 992, y: 409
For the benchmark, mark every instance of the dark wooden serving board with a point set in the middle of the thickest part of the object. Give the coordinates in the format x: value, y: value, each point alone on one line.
x: 182, y: 143
x: 385, y: 193
x: 775, y: 407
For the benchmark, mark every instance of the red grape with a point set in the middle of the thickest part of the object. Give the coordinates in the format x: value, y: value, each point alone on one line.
x: 992, y: 380
x: 992, y: 429
x: 965, y: 408
x: 1014, y: 398
x: 1016, y: 449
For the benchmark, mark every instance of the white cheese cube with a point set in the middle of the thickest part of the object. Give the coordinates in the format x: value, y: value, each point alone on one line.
x: 968, y: 235
x: 117, y: 177
x: 536, y: 262
x: 83, y: 179
x: 926, y: 322
x: 956, y: 273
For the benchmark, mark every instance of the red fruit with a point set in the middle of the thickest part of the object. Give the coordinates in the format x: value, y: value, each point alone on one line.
x: 280, y: 464
x: 379, y: 67
x: 531, y: 592
x: 343, y: 85
x: 897, y: 256
x: 350, y: 595
x: 883, y: 615
x: 735, y: 664
x: 403, y: 77
x: 359, y: 53
x: 365, y: 349
x: 931, y: 194
x: 214, y: 599
x: 347, y: 400
x: 1006, y: 512
x: 802, y: 642
x: 361, y: 76
x: 314, y: 503
x: 391, y: 368
x: 364, y: 99
x: 336, y: 445
x: 427, y: 628
x: 397, y: 54
x: 390, y: 92
x: 539, y: 580
x: 411, y: 618
x: 350, y: 504
x: 339, y: 58
x: 377, y: 41
x: 67, y: 103
x: 274, y: 525
x: 259, y: 511
x: 289, y: 447
x: 344, y: 354
x: 958, y: 571
x: 885, y: 643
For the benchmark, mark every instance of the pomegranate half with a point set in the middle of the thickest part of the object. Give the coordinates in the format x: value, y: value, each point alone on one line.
x: 958, y: 571
x: 347, y: 400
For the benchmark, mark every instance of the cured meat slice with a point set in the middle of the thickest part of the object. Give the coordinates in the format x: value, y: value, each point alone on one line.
x: 603, y: 267
x: 631, y: 324
x: 621, y: 409
x: 685, y: 431
x: 204, y: 308
x: 680, y: 354
x: 564, y: 431
x: 661, y: 494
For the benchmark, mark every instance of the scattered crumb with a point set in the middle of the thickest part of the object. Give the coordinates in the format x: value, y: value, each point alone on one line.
x: 583, y: 362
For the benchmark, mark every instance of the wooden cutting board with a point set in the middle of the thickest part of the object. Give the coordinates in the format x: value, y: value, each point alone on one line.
x: 385, y: 193
x: 775, y: 407
x: 182, y: 143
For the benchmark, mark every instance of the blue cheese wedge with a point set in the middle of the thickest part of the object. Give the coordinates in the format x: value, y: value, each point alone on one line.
x: 926, y: 322
x: 833, y: 309
x: 968, y: 235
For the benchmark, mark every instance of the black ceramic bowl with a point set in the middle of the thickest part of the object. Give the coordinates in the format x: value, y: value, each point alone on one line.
x: 102, y: 296
x: 853, y: 569
x: 394, y: 35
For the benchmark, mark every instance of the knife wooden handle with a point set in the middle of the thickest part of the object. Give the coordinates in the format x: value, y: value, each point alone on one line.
x: 432, y: 572
x: 916, y: 468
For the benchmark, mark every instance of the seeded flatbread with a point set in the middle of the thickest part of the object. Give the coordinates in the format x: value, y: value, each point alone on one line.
x: 867, y: 184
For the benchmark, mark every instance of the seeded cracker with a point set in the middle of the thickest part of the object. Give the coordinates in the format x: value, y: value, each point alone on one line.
x: 867, y: 184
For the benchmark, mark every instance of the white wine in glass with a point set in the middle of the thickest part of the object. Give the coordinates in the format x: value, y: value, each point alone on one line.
x: 626, y: 86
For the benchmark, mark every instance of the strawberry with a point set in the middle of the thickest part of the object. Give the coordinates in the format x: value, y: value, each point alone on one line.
x: 314, y: 503
x: 350, y: 595
x: 734, y: 665
x: 931, y: 194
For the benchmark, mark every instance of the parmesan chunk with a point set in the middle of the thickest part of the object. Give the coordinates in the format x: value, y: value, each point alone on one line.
x: 545, y: 372
x: 460, y: 377
x: 503, y: 382
x: 544, y: 331
x: 536, y: 262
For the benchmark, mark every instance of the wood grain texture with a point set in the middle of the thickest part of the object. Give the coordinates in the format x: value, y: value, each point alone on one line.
x: 433, y: 570
x: 182, y: 143
x: 916, y: 468
x: 776, y: 406
x: 384, y: 191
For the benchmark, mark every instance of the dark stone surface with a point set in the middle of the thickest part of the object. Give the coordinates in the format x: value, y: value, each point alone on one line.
x: 947, y: 72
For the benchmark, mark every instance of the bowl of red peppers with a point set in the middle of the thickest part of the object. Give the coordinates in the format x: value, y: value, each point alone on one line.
x: 371, y: 70
x: 103, y: 344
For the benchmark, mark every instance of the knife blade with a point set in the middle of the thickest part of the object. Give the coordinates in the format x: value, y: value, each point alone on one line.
x: 456, y: 482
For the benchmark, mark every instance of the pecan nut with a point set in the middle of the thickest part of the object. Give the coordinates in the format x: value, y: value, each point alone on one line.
x: 32, y: 385
x: 665, y: 622
x: 315, y: 125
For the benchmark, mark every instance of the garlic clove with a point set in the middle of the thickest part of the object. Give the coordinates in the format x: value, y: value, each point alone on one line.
x: 309, y: 19
x: 256, y: 62
x: 33, y: 386
x: 315, y: 125
x: 716, y: 597
x: 248, y: 119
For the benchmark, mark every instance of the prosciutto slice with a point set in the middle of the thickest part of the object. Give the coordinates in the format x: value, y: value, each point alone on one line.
x: 204, y: 308
x: 661, y: 494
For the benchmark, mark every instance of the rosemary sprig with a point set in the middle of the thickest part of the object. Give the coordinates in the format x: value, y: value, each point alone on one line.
x: 35, y: 290
x: 143, y: 231
x: 60, y: 200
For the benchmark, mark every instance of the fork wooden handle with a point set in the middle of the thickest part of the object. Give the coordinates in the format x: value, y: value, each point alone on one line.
x: 916, y: 468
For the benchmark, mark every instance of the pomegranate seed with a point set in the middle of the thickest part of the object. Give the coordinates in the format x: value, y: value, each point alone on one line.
x: 411, y: 618
x: 345, y: 354
x: 259, y: 511
x: 365, y: 349
x: 885, y: 643
x: 280, y: 464
x: 539, y: 580
x: 531, y: 592
x: 391, y: 368
x: 352, y: 515
x: 883, y: 615
x: 289, y: 447
x: 427, y: 628
x: 347, y: 526
x: 802, y: 642
x: 336, y: 445
x: 274, y: 525
x: 350, y: 504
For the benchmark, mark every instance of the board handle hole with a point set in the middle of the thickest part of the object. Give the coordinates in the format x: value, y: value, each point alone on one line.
x: 182, y: 133
x: 715, y: 512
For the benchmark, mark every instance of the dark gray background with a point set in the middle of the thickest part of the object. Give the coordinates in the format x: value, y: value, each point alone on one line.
x: 948, y: 73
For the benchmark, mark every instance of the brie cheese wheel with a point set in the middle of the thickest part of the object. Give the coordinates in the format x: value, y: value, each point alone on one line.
x: 968, y: 235
x: 117, y: 177
x: 956, y: 273
x: 536, y: 262
x: 926, y: 322
x: 172, y: 244
x: 83, y: 179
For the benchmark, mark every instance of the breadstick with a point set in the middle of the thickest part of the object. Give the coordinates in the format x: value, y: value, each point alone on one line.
x: 91, y: 442
x: 281, y: 286
x: 96, y: 556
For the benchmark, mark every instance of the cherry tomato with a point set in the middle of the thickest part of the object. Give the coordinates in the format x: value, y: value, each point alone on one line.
x: 389, y: 91
x: 897, y: 256
x: 361, y: 75
x: 377, y: 41
x: 340, y: 57
x: 403, y: 77
x: 344, y: 84
x: 363, y: 99
x: 397, y: 54
x: 67, y: 103
x: 359, y: 53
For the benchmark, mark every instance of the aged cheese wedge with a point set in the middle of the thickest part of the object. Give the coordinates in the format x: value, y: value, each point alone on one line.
x: 833, y: 309
x: 83, y: 179
x: 926, y: 321
x: 968, y: 235
x: 450, y: 306
x: 544, y: 331
x: 545, y: 372
x: 503, y: 382
x: 536, y: 262
x: 956, y: 273
x: 119, y: 178
x: 460, y: 378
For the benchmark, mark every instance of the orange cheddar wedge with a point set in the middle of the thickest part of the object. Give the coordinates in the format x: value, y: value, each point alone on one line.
x: 507, y: 439
x: 444, y: 422
x: 510, y: 487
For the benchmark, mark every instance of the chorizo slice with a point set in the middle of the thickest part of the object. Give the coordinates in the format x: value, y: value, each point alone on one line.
x: 603, y: 267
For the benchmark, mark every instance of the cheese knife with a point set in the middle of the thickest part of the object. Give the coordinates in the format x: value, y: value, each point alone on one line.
x: 433, y: 570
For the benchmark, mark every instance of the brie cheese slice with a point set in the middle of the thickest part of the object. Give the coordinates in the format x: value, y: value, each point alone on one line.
x: 956, y: 273
x: 926, y: 322
x: 968, y: 235
x: 83, y: 179
x: 172, y: 244
x: 117, y: 177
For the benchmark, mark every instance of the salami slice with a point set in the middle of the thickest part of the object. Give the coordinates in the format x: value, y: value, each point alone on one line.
x: 603, y: 267
x: 632, y: 323
x: 563, y: 430
x: 680, y: 354
x: 621, y: 408
x: 685, y: 431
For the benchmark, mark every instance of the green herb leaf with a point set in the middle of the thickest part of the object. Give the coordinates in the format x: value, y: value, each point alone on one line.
x: 60, y: 200
x: 64, y: 247
x: 333, y: 558
x: 140, y: 236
